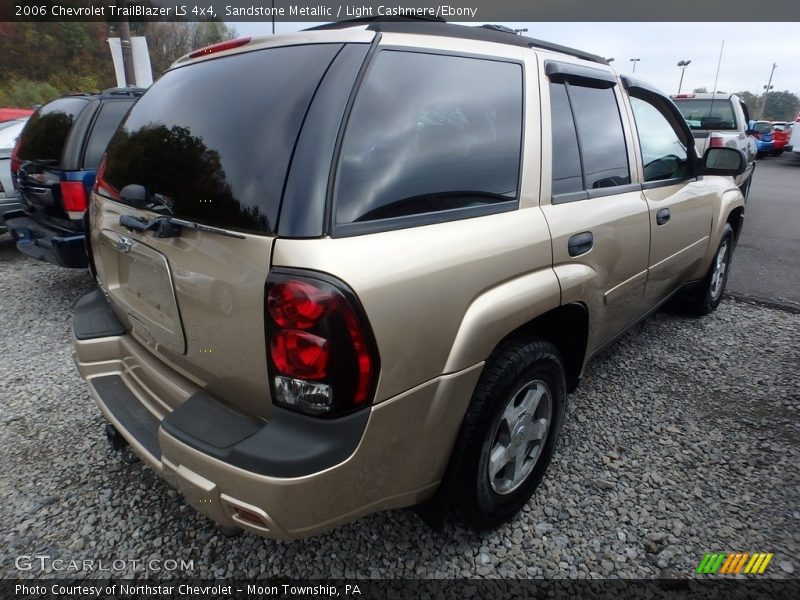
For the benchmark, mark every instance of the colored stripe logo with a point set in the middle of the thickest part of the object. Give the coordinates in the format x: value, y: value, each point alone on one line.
x: 734, y: 563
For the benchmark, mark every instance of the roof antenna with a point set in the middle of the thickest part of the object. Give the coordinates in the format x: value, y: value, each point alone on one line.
x: 716, y: 77
x: 719, y: 63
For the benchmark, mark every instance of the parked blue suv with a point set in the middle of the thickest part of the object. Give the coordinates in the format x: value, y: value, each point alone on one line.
x: 53, y: 167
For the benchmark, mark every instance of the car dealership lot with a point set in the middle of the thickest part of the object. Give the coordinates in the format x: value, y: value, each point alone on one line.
x: 682, y: 439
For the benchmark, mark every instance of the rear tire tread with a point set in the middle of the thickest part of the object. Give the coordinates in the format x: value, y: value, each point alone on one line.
x: 507, y: 364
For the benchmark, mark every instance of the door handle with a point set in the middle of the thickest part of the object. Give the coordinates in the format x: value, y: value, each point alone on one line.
x: 580, y: 243
x: 662, y: 216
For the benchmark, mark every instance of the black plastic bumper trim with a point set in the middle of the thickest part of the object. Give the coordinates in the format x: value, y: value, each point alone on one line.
x: 94, y: 318
x: 131, y: 414
x: 288, y: 445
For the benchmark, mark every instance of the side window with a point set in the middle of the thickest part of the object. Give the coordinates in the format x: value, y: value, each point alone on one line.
x: 430, y: 133
x: 105, y: 125
x: 589, y: 150
x: 663, y: 153
x: 567, y: 174
x: 603, y: 151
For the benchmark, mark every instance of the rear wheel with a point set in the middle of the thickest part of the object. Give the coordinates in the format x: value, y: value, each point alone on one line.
x: 709, y: 295
x: 509, y: 433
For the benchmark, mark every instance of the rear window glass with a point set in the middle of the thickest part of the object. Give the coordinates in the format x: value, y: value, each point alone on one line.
x: 708, y: 114
x: 212, y: 141
x: 431, y: 133
x: 762, y: 127
x: 105, y: 125
x: 46, y: 132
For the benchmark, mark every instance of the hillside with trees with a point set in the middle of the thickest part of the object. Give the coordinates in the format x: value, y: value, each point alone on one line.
x: 44, y: 60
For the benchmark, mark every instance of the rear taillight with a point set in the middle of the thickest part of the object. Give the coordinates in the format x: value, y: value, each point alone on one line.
x: 213, y: 48
x: 322, y: 356
x: 101, y: 186
x: 716, y: 141
x: 73, y: 196
x: 756, y: 135
x: 16, y: 163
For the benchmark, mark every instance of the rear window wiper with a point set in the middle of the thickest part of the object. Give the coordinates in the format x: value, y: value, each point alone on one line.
x: 166, y: 226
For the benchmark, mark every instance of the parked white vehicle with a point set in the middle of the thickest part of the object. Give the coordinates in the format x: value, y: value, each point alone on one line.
x: 794, y: 139
x: 720, y: 120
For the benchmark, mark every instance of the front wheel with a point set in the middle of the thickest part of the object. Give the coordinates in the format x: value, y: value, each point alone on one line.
x: 509, y: 433
x: 709, y: 295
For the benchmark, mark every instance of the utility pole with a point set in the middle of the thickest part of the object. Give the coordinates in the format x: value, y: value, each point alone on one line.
x: 127, y: 52
x: 682, y: 64
x: 767, y: 88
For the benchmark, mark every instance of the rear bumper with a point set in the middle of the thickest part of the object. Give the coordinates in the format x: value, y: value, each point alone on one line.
x: 8, y: 205
x: 45, y: 244
x: 288, y: 477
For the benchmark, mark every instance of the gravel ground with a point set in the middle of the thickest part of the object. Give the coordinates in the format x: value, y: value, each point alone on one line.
x: 682, y: 439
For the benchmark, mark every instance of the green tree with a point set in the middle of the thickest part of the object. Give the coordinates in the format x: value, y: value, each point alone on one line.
x: 752, y: 102
x: 781, y: 106
x: 167, y: 42
x: 700, y: 90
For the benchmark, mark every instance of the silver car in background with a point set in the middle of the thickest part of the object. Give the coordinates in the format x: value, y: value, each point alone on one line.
x: 9, y: 198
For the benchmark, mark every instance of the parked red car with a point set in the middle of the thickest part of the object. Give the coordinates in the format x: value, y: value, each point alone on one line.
x: 9, y: 114
x: 780, y: 137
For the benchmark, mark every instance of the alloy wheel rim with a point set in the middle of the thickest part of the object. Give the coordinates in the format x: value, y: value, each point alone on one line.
x: 720, y: 267
x: 520, y: 436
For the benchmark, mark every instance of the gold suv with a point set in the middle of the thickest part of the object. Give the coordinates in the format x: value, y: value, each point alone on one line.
x: 360, y: 267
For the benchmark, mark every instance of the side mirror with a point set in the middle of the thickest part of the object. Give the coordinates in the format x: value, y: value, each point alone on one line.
x: 724, y: 161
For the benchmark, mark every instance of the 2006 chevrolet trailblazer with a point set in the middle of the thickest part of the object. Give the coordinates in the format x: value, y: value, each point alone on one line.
x: 359, y: 268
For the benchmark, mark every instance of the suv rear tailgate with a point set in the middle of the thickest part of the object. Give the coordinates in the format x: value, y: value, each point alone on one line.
x: 196, y: 301
x: 216, y: 158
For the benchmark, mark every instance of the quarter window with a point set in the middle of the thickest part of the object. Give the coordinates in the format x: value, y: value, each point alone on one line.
x: 663, y: 153
x: 108, y: 120
x: 430, y: 133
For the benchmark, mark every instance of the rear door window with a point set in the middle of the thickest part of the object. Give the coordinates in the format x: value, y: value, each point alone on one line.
x: 46, y: 132
x: 433, y: 136
x: 212, y: 141
x: 602, y: 141
x: 567, y: 174
x: 105, y: 125
x: 588, y: 142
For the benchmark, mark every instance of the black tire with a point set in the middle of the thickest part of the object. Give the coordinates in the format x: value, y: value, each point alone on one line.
x: 708, y: 296
x: 475, y: 500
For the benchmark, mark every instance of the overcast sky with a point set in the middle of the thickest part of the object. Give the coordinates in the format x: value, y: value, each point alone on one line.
x: 750, y: 49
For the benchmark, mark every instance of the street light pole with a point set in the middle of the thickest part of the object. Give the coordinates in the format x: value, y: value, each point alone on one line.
x: 767, y: 88
x: 682, y: 64
x: 634, y: 61
x: 127, y: 52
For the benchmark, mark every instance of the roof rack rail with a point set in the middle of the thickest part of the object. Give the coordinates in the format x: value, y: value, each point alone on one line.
x: 367, y: 20
x: 439, y: 27
x: 123, y: 91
